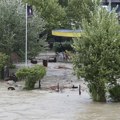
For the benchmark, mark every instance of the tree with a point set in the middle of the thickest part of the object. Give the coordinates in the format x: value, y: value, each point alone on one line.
x: 97, y: 57
x: 50, y: 11
x: 80, y: 9
x: 62, y: 13
x: 12, y: 29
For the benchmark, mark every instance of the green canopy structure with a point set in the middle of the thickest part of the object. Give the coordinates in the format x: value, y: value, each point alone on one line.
x: 66, y: 33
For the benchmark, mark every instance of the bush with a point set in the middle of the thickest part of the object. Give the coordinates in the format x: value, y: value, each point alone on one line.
x: 3, y: 60
x: 115, y: 93
x: 31, y: 75
x: 12, y: 66
x: 63, y: 47
x: 97, y: 91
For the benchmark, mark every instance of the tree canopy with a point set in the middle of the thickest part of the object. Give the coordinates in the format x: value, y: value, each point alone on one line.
x: 12, y: 29
x: 77, y: 10
x: 97, y: 57
x: 51, y: 12
x: 63, y: 13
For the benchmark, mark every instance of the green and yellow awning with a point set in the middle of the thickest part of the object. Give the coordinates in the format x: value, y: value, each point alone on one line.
x: 66, y: 33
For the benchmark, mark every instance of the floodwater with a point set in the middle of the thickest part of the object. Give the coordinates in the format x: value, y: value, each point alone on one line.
x: 51, y: 105
x: 38, y: 105
x: 46, y: 105
x: 100, y: 111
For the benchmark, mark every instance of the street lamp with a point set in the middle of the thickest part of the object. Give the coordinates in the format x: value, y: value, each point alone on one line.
x: 26, y: 39
x: 29, y: 13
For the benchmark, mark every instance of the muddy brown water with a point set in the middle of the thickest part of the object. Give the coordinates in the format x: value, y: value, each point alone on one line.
x: 51, y: 105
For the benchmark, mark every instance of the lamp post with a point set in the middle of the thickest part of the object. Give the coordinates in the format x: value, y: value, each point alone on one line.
x: 29, y: 13
x: 26, y: 39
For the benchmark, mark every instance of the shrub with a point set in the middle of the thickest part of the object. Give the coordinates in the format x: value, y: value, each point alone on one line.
x: 31, y: 75
x: 63, y: 47
x: 12, y: 66
x: 115, y: 93
x: 97, y: 91
x: 3, y: 60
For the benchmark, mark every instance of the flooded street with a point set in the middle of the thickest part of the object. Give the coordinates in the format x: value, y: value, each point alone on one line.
x: 39, y: 105
x: 99, y: 111
x: 51, y: 105
x: 43, y: 105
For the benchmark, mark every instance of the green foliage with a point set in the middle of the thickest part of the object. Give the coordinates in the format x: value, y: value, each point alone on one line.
x: 50, y: 11
x: 97, y: 90
x: 31, y: 75
x: 63, y: 3
x: 12, y: 25
x: 62, y: 47
x: 97, y: 56
x: 3, y: 60
x: 80, y: 9
x: 12, y: 66
x: 63, y: 13
x: 115, y: 93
